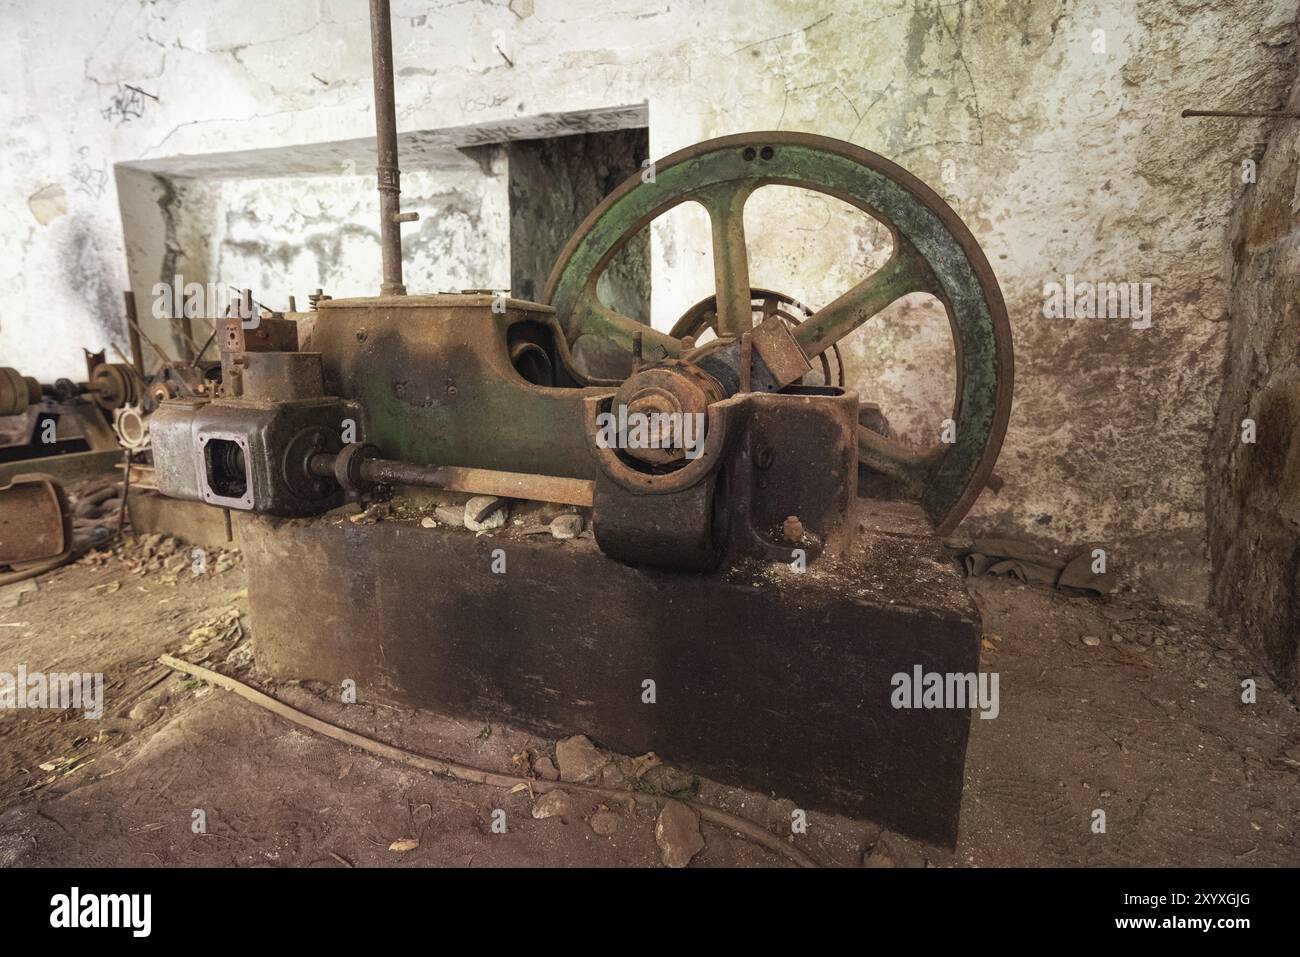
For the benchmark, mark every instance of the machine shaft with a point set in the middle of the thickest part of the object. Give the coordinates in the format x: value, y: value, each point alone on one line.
x: 540, y: 488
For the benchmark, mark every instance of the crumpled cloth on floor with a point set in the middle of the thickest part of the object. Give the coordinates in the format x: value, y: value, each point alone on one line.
x: 1033, y: 566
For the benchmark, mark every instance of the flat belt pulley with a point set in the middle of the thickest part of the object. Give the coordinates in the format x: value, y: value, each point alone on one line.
x: 114, y: 385
x: 933, y: 252
x: 17, y: 392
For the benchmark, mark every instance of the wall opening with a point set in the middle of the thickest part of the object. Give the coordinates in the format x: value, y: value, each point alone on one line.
x: 287, y: 220
x: 554, y: 184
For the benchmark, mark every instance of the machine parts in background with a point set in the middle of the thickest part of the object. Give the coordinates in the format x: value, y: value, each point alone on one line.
x: 114, y: 385
x: 109, y: 409
x: 177, y: 379
x: 131, y: 426
x: 17, y: 392
x: 43, y: 420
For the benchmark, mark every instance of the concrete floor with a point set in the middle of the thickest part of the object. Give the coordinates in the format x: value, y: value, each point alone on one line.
x: 1149, y: 728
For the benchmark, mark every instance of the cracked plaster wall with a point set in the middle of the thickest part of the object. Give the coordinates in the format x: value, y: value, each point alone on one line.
x: 1062, y: 158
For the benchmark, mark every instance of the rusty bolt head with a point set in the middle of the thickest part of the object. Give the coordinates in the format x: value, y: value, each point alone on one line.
x: 659, y: 408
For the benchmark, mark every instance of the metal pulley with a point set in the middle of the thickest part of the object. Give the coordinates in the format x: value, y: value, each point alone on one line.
x: 132, y: 428
x: 114, y: 385
x: 17, y: 392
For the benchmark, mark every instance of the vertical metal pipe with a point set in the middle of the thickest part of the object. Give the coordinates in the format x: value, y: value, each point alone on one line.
x: 133, y: 332
x: 390, y: 189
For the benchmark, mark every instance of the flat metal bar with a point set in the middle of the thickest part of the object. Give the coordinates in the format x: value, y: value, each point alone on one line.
x: 133, y: 332
x: 539, y: 488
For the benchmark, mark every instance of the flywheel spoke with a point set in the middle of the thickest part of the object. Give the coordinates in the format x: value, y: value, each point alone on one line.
x: 725, y: 203
x: 905, y: 272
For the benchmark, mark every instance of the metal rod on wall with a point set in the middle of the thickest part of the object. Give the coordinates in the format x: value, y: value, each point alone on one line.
x: 391, y: 216
x: 1251, y: 114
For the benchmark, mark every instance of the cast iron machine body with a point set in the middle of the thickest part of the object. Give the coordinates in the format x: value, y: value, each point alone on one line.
x: 484, y: 384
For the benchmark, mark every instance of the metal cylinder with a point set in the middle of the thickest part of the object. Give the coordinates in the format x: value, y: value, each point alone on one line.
x: 17, y: 392
x: 282, y: 376
x: 390, y: 187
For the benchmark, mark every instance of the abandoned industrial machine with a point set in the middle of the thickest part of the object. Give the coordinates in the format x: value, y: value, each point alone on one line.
x: 743, y: 574
x: 487, y: 393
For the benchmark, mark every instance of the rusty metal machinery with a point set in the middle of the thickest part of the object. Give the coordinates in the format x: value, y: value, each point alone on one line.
x: 481, y: 391
x: 482, y: 385
x: 107, y: 412
x: 35, y: 521
x: 17, y: 392
x: 46, y: 419
x: 718, y: 448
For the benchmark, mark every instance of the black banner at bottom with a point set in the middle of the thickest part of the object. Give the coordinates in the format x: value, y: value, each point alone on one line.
x: 335, y: 906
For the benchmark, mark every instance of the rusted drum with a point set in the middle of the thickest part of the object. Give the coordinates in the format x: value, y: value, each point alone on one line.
x: 17, y: 391
x: 35, y: 524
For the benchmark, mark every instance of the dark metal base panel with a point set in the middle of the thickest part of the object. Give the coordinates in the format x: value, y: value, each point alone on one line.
x: 764, y: 677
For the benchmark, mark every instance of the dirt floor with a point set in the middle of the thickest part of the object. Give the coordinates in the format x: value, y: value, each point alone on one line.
x: 1123, y: 705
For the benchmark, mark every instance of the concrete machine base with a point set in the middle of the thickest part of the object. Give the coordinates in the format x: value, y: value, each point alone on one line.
x: 763, y: 676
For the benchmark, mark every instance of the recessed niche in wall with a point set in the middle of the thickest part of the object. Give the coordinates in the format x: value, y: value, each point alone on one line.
x: 286, y: 220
